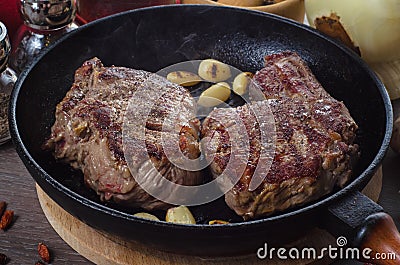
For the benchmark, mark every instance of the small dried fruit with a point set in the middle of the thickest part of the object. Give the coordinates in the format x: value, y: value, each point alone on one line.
x: 6, y: 219
x: 44, y: 252
x: 3, y: 259
x: 3, y: 206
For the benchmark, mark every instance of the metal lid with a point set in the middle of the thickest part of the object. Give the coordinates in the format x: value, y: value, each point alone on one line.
x: 5, y: 46
x: 48, y: 14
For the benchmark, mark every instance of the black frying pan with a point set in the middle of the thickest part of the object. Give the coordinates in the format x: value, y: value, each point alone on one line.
x: 154, y: 38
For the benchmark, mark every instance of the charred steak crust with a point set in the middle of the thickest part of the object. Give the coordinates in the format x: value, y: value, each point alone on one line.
x: 314, y: 140
x: 87, y: 133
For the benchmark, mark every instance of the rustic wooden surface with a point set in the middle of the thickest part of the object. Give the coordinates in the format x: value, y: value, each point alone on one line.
x: 109, y: 250
x: 31, y: 226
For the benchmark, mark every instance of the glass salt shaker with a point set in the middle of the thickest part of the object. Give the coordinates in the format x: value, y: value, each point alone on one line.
x: 7, y: 80
x: 45, y: 21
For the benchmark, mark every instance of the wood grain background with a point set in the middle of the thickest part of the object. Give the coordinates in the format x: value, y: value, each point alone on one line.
x: 30, y: 225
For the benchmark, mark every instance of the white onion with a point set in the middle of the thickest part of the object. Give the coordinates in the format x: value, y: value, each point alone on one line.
x: 373, y: 26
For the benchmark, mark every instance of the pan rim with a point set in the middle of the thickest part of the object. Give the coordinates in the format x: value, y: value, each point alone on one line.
x: 358, y: 182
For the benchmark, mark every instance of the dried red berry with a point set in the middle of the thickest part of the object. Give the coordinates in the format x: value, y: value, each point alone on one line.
x: 6, y: 219
x: 44, y: 252
x: 39, y: 263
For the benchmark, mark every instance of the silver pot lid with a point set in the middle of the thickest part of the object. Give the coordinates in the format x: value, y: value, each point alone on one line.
x: 48, y: 14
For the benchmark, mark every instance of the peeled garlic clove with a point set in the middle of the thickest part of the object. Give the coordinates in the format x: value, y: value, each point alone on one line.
x: 215, y: 95
x: 146, y: 216
x: 241, y: 82
x: 214, y: 71
x: 180, y: 215
x: 218, y: 222
x: 246, y: 3
x: 184, y: 78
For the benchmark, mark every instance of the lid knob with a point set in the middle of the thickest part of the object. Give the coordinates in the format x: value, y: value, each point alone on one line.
x: 48, y: 14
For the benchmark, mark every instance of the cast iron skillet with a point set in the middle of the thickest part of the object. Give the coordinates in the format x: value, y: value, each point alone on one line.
x: 154, y: 38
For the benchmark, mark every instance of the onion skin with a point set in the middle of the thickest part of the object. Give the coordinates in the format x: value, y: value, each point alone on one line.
x: 333, y: 27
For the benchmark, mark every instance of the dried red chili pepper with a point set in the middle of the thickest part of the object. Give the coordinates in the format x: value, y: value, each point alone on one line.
x: 6, y: 219
x: 44, y: 252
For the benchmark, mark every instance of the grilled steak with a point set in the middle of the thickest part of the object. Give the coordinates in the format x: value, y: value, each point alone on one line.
x: 286, y: 75
x: 314, y: 136
x: 88, y: 135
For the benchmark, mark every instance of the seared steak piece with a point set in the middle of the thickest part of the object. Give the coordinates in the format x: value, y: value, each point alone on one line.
x: 88, y: 133
x: 286, y: 75
x: 314, y: 136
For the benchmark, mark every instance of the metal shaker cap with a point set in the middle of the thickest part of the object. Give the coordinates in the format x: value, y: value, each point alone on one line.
x: 48, y: 14
x: 5, y: 46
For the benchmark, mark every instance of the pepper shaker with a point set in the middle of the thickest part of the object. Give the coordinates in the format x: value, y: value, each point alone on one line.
x: 44, y: 22
x: 7, y: 80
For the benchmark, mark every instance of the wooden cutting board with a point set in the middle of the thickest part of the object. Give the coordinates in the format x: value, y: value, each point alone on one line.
x: 104, y: 249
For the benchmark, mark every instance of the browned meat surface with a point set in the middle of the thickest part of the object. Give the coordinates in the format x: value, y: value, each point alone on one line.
x: 286, y: 75
x: 87, y: 133
x: 314, y: 141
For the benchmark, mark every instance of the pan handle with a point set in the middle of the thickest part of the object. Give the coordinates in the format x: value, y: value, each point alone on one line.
x: 368, y: 227
x: 379, y: 233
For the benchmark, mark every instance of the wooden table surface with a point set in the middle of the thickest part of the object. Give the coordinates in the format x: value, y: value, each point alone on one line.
x: 30, y: 227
